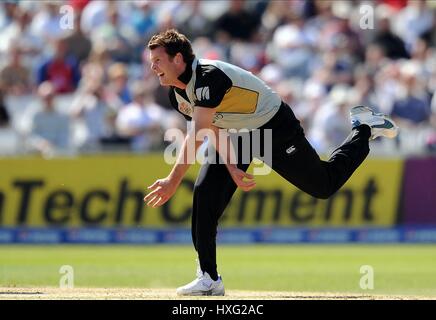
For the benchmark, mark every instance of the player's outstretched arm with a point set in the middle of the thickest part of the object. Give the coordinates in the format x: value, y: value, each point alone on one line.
x: 163, y: 189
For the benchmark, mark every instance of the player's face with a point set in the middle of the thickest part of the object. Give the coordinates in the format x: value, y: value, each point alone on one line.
x: 163, y: 66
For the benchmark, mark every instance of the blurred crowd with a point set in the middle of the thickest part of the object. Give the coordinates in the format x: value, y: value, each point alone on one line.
x: 75, y: 78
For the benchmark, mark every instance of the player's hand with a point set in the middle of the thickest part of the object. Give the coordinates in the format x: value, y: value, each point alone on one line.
x: 160, y: 192
x: 238, y: 177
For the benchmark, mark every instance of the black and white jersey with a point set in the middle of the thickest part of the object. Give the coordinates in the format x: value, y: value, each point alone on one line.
x: 242, y: 99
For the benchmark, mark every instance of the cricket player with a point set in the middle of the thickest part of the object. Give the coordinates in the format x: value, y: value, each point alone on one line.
x: 217, y: 95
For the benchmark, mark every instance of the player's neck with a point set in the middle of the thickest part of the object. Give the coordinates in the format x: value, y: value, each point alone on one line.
x: 184, y: 76
x: 179, y: 84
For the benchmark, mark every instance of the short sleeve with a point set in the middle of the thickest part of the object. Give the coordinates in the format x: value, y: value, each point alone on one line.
x: 211, y: 85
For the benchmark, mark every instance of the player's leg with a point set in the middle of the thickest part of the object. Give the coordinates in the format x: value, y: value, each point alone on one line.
x: 295, y: 159
x: 213, y: 191
x: 321, y: 179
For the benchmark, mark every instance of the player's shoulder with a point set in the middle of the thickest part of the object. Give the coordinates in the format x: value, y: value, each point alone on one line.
x: 211, y: 73
x: 211, y: 83
x: 208, y: 69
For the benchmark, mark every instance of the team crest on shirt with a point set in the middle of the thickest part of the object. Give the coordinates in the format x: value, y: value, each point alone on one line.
x: 186, y: 108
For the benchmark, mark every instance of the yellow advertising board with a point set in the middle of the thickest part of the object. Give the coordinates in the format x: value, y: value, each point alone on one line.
x: 107, y: 191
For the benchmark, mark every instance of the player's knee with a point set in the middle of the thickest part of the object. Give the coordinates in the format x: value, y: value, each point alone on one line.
x: 324, y: 196
x: 197, y: 188
x: 323, y: 193
x: 201, y: 188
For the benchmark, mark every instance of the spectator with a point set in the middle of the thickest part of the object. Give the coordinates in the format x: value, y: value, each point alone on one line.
x: 62, y: 70
x: 395, y: 5
x: 433, y: 112
x: 144, y: 20
x: 430, y: 35
x: 7, y: 14
x: 94, y: 14
x: 272, y: 74
x: 50, y: 129
x: 337, y: 68
x: 78, y: 44
x: 425, y: 56
x: 167, y: 12
x: 338, y: 36
x: 141, y: 119
x: 420, y: 50
x: 363, y: 91
x: 19, y: 33
x: 412, y: 106
x: 90, y: 106
x: 97, y: 65
x: 116, y: 37
x: 113, y: 141
x: 206, y: 49
x: 274, y: 16
x: 248, y: 55
x: 375, y: 58
x: 78, y: 5
x: 319, y: 21
x: 301, y: 48
x: 117, y: 90
x: 392, y: 45
x: 4, y: 114
x: 9, y: 138
x: 413, y: 20
x: 291, y: 48
x: 45, y: 24
x: 15, y: 76
x: 192, y: 21
x: 330, y: 125
x: 309, y: 102
x: 236, y: 23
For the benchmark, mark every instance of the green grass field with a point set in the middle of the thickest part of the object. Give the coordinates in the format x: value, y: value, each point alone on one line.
x: 398, y: 269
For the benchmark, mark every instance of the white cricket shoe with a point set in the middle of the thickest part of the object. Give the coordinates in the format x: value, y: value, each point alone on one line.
x: 203, y: 286
x: 380, y: 124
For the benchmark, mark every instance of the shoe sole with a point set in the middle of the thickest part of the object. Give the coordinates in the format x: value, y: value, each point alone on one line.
x: 202, y: 293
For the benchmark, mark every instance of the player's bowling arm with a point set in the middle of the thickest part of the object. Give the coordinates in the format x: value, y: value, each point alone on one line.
x: 163, y: 189
x: 201, y: 119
